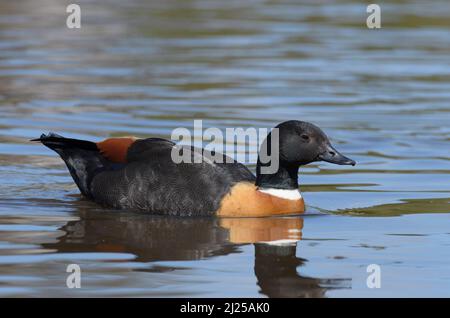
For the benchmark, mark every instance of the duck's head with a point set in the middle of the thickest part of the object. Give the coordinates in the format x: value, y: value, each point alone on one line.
x: 302, y: 143
x: 299, y: 143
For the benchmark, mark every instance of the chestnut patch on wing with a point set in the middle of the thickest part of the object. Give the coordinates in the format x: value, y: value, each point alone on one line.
x: 116, y: 149
x: 244, y: 200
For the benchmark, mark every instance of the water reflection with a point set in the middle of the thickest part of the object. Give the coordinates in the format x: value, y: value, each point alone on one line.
x: 155, y: 238
x: 276, y: 271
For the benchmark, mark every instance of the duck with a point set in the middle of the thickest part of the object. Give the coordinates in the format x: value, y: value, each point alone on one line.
x: 140, y: 174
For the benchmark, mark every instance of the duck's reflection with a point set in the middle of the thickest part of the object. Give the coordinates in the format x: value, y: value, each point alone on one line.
x: 153, y: 238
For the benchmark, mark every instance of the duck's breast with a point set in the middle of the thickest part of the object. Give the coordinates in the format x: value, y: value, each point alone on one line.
x: 245, y: 200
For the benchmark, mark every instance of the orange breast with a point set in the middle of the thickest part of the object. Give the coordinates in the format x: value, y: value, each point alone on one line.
x: 244, y: 200
x: 116, y: 149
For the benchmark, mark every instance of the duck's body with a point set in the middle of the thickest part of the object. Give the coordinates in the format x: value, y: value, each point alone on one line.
x: 131, y: 173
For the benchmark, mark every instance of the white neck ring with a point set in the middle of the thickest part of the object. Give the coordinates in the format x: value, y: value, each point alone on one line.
x: 293, y: 194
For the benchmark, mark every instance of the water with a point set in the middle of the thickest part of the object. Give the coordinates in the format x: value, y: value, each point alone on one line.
x: 143, y: 68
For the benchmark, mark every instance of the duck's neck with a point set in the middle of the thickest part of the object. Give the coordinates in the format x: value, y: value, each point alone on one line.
x: 286, y: 177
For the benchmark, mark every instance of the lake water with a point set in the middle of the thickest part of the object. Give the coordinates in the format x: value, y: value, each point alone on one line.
x: 143, y: 68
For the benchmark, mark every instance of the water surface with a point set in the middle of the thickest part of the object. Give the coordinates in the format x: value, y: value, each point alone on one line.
x: 145, y: 67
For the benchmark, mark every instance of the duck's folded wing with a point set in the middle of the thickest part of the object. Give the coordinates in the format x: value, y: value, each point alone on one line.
x: 149, y: 148
x: 152, y: 180
x: 168, y: 153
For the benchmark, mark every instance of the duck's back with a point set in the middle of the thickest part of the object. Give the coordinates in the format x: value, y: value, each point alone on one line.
x: 151, y: 180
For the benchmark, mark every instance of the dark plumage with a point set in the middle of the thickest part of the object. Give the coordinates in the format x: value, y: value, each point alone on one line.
x: 150, y: 180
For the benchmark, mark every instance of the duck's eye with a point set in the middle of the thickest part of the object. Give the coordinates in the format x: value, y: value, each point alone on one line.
x: 305, y: 137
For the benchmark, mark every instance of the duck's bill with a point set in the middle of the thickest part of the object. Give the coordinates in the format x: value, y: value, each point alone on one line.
x: 333, y: 156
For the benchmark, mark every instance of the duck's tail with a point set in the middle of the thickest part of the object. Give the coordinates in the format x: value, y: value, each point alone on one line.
x: 82, y: 158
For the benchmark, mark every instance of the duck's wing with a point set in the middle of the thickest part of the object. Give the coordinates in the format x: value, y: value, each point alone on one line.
x: 115, y: 149
x: 145, y: 150
x: 148, y: 149
x: 152, y: 180
x: 132, y: 149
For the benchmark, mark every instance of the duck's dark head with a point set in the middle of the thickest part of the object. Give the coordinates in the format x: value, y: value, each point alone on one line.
x: 299, y: 143
x: 302, y: 143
